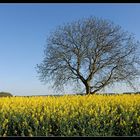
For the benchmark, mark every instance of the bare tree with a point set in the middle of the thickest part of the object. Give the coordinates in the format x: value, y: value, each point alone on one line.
x: 93, y: 51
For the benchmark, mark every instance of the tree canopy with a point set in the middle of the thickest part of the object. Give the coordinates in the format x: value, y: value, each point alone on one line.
x: 91, y: 51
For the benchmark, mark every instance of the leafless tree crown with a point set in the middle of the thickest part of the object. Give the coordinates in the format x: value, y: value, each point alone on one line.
x: 92, y: 51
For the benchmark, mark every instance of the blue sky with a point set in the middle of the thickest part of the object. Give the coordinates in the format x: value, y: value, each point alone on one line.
x: 24, y: 29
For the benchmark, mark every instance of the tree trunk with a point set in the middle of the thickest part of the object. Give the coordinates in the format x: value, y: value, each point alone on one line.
x: 88, y: 89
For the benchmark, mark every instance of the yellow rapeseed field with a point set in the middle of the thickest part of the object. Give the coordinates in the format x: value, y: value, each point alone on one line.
x: 75, y: 115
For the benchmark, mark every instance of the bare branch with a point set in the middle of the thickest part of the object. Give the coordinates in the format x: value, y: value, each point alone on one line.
x: 94, y: 51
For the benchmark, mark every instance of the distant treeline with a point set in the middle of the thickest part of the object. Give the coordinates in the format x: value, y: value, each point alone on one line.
x: 96, y: 94
x: 5, y: 94
x: 131, y: 93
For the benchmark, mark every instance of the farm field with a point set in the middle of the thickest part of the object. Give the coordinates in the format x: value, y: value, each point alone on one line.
x: 75, y: 115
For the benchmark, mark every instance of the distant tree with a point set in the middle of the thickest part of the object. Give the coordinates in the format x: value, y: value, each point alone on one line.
x: 4, y: 94
x: 92, y: 51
